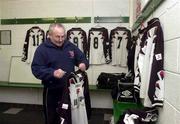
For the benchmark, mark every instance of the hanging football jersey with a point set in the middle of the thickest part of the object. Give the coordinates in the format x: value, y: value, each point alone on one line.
x: 156, y: 84
x: 79, y: 38
x: 131, y: 54
x: 150, y: 64
x: 99, y: 46
x: 78, y: 107
x: 137, y: 78
x: 34, y: 37
x: 120, y: 37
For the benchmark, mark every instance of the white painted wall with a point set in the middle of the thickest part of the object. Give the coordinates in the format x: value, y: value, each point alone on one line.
x: 169, y: 16
x: 13, y: 70
x: 99, y: 99
x: 0, y: 13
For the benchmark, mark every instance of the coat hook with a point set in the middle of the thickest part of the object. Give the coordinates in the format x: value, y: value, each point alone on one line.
x: 76, y: 19
x: 16, y: 21
x: 97, y: 20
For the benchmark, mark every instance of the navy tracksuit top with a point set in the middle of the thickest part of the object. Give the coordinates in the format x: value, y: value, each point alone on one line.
x: 49, y: 57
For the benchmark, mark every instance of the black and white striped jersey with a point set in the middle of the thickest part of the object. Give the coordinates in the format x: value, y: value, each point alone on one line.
x: 79, y: 38
x: 150, y: 65
x: 99, y: 46
x: 75, y: 105
x: 78, y: 107
x: 120, y: 37
x: 34, y: 37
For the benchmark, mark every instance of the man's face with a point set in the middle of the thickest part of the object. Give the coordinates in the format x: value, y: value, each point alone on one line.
x: 57, y: 36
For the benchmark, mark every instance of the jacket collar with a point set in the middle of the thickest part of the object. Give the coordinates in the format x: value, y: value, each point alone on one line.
x: 49, y: 43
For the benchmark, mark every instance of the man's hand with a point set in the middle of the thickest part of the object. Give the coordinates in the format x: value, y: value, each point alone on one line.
x: 82, y: 66
x: 59, y: 73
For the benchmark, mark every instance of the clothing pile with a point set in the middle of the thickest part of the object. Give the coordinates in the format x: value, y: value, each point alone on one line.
x: 139, y: 116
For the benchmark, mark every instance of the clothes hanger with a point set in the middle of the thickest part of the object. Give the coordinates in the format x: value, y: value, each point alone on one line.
x: 77, y: 21
x: 35, y: 26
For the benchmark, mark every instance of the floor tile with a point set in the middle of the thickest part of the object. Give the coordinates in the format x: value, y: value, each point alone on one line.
x: 13, y: 111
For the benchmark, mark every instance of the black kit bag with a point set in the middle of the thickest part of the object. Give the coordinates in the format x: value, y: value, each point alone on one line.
x: 108, y: 80
x: 124, y: 92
